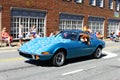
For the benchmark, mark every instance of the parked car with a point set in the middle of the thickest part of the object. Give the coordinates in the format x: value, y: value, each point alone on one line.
x: 65, y: 45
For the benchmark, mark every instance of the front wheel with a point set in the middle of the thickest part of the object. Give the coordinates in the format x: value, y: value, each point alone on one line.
x: 98, y: 53
x: 58, y: 59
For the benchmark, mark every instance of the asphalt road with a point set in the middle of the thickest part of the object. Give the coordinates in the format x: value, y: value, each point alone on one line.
x: 15, y: 67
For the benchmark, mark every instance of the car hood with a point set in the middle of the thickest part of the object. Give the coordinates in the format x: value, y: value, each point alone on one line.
x: 38, y: 45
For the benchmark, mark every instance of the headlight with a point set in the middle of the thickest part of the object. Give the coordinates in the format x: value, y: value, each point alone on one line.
x: 45, y: 53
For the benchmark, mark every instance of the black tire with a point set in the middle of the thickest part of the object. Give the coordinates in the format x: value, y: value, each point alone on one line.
x: 98, y: 53
x: 58, y: 59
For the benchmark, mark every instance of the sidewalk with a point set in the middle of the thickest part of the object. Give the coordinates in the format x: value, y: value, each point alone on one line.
x: 14, y: 47
x: 14, y: 44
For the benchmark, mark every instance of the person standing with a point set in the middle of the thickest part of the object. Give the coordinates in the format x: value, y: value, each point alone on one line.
x: 33, y: 31
x: 99, y: 35
x: 117, y: 34
x: 20, y: 34
x: 88, y: 31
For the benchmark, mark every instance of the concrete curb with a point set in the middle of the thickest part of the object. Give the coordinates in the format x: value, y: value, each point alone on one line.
x: 14, y: 47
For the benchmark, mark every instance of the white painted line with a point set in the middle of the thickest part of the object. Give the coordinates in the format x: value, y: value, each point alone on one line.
x: 108, y: 55
x: 79, y: 70
x: 72, y: 72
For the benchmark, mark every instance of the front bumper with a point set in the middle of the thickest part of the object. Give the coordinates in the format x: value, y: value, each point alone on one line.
x: 36, y: 57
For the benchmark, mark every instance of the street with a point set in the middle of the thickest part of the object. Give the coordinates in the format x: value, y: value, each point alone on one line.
x: 15, y: 67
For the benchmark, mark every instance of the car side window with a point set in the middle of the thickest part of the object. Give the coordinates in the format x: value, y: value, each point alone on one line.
x: 84, y: 38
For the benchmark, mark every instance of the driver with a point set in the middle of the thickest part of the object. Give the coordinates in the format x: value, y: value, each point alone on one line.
x: 85, y: 38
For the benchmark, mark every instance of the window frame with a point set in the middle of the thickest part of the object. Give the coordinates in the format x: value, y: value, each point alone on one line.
x: 117, y: 5
x: 111, y: 4
x: 101, y: 4
x: 92, y: 2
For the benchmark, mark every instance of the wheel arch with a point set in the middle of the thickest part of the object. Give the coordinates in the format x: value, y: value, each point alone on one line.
x: 100, y: 46
x: 60, y: 49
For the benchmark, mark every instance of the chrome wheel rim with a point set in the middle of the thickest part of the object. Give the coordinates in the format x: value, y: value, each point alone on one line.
x: 60, y: 58
x: 98, y: 52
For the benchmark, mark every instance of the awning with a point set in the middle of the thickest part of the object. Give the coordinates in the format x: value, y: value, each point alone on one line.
x: 27, y: 12
x: 92, y: 18
x: 114, y: 20
x: 71, y: 16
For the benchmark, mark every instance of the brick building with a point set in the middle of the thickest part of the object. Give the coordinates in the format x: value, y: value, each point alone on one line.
x: 51, y: 15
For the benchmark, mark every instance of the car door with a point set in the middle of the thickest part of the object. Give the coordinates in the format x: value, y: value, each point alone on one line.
x: 78, y: 48
x: 83, y: 48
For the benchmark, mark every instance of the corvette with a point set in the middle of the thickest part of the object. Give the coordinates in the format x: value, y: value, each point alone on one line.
x: 65, y: 45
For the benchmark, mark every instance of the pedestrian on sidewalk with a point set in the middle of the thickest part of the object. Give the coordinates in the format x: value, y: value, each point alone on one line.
x: 33, y: 32
x: 6, y: 37
x: 99, y: 35
x: 20, y: 34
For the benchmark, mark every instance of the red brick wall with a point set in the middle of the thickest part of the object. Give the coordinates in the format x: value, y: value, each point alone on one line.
x: 53, y: 8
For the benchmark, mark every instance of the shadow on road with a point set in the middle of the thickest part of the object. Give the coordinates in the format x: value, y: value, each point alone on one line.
x: 68, y: 61
x: 40, y: 63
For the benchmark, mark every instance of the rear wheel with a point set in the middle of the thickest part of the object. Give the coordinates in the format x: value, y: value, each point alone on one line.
x: 58, y: 59
x: 98, y: 53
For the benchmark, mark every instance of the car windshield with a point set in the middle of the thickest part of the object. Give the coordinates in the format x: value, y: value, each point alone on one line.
x: 68, y: 35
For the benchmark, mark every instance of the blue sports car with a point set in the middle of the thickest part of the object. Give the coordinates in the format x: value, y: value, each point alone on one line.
x: 65, y: 45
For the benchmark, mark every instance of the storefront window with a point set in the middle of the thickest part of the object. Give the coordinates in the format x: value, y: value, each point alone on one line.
x: 68, y: 22
x: 113, y: 25
x: 27, y: 18
x: 96, y: 24
x: 27, y: 23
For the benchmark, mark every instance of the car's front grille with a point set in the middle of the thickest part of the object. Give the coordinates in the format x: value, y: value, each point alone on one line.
x: 25, y: 55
